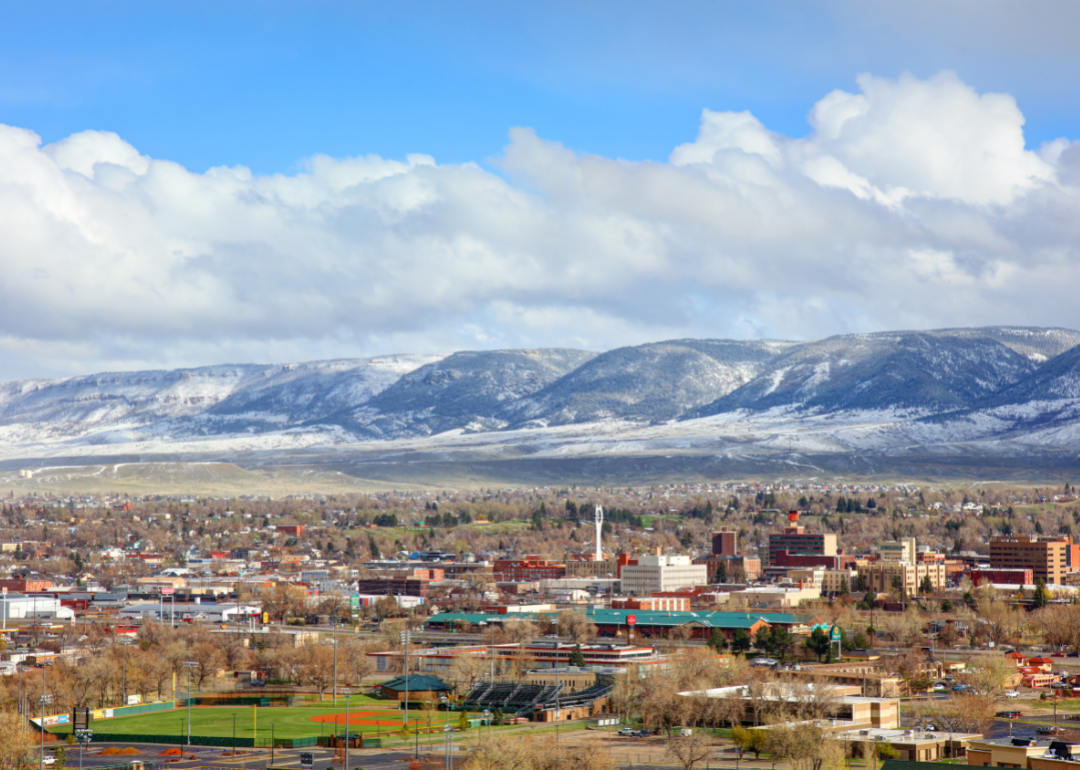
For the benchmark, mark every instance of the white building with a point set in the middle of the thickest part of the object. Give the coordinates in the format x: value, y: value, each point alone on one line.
x: 167, y: 610
x: 23, y: 607
x: 662, y: 573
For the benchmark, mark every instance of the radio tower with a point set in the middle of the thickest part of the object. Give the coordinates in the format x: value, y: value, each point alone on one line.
x: 599, y: 526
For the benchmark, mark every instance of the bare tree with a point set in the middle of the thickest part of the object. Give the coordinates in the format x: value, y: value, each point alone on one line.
x: 689, y: 750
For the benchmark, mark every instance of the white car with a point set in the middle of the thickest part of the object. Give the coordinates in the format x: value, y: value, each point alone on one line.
x: 48, y: 760
x: 1012, y: 694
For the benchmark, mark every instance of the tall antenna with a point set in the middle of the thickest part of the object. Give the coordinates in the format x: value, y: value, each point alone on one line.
x: 599, y: 526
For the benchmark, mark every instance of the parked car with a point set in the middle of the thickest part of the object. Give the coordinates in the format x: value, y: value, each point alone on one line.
x: 1008, y: 714
x: 1073, y: 655
x: 939, y: 686
x: 959, y: 688
x: 628, y: 731
x: 1012, y: 694
x: 256, y: 683
x: 643, y: 733
x: 48, y: 760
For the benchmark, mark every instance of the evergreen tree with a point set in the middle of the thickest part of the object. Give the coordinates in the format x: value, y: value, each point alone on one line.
x: 577, y: 657
x: 927, y: 586
x: 717, y: 641
x: 1041, y: 597
x: 740, y: 641
x: 721, y: 572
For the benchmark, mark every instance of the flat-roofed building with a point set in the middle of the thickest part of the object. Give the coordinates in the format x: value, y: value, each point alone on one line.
x: 652, y: 574
x: 1048, y: 559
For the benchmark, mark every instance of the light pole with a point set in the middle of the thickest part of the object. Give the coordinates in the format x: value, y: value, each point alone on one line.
x: 43, y: 700
x: 234, y: 734
x: 446, y: 729
x: 405, y: 638
x: 271, y: 743
x: 345, y: 691
x: 189, y: 664
x: 335, y: 655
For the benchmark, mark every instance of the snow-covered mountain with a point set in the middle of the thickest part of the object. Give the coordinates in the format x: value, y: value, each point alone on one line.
x: 854, y: 401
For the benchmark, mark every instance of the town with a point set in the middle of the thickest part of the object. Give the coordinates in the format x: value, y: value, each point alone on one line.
x: 697, y: 624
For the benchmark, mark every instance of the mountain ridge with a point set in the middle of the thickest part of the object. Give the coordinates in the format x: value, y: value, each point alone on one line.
x: 990, y: 391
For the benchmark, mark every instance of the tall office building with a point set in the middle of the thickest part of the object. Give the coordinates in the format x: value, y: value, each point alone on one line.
x: 798, y: 542
x: 1049, y: 559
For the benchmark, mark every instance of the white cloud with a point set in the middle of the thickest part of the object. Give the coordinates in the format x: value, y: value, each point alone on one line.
x: 913, y: 203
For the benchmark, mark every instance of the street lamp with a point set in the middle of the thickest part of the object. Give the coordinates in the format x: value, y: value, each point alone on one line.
x: 271, y: 743
x: 234, y: 733
x: 335, y: 654
x: 44, y: 699
x: 189, y: 664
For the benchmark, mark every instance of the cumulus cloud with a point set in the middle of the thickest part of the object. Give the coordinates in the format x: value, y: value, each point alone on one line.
x: 910, y: 204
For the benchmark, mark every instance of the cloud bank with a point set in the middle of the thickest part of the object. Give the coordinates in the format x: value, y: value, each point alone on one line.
x: 909, y: 204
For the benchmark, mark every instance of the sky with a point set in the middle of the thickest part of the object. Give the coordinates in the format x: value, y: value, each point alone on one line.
x: 197, y: 183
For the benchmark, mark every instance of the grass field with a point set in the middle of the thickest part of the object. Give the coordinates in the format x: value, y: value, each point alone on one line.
x: 294, y: 722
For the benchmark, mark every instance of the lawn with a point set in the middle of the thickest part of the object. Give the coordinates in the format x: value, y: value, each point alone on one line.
x: 304, y: 721
x: 296, y: 722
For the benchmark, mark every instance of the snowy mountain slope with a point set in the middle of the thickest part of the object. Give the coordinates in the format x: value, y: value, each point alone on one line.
x: 1003, y: 395
x: 920, y: 371
x: 215, y: 399
x: 656, y: 381
x: 466, y: 390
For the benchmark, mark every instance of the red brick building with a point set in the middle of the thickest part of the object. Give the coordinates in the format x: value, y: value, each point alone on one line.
x: 529, y: 568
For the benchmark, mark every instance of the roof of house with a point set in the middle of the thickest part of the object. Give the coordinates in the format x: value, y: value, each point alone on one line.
x: 416, y: 683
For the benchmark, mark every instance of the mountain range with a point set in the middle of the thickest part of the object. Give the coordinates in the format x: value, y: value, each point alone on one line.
x: 1007, y: 393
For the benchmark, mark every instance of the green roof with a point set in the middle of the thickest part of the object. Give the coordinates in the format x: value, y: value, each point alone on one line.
x: 416, y: 683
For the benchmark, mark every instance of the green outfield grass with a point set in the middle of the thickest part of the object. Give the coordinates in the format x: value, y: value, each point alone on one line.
x: 291, y: 722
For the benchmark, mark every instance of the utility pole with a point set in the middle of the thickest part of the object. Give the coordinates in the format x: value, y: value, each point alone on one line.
x: 335, y: 656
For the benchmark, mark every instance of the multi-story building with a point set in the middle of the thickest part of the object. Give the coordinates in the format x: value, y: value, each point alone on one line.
x: 881, y: 576
x: 796, y: 541
x: 1048, y: 559
x: 901, y: 551
x: 651, y: 574
x: 836, y: 580
x: 725, y: 543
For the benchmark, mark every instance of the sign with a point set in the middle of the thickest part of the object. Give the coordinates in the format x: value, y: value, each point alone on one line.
x: 84, y: 736
x: 307, y: 759
x: 631, y: 620
x: 81, y: 718
x: 354, y: 601
x: 836, y: 635
x: 167, y: 591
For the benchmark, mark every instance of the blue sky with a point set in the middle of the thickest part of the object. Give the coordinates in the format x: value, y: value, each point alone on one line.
x: 423, y: 177
x: 267, y: 84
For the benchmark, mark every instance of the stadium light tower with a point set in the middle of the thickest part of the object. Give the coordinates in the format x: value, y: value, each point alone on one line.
x: 599, y: 526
